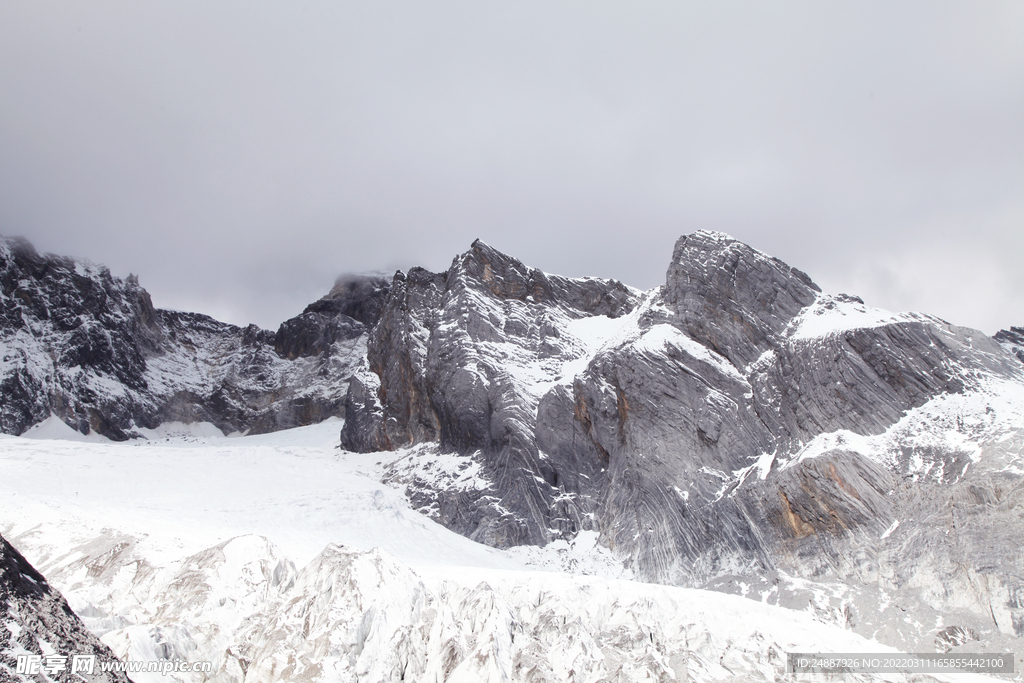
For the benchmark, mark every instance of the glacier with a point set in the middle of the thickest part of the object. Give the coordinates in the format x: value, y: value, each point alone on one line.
x: 278, y: 557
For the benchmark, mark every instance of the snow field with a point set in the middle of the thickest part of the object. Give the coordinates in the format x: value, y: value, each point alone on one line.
x: 278, y: 557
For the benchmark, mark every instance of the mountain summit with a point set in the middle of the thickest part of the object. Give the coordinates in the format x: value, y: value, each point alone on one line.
x: 732, y: 424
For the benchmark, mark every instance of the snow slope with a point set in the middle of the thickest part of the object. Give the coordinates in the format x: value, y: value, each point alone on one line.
x: 834, y: 314
x: 278, y: 557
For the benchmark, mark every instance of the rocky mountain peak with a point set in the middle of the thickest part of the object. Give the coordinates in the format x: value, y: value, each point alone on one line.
x: 504, y: 276
x: 18, y: 252
x: 696, y: 409
x: 91, y: 348
x: 358, y: 296
x: 107, y: 324
x: 507, y: 278
x: 350, y: 309
x: 731, y: 297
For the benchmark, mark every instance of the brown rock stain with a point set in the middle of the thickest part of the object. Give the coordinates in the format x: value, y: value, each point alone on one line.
x: 799, y: 527
x: 834, y: 476
x: 622, y: 408
x: 824, y: 507
x: 582, y: 415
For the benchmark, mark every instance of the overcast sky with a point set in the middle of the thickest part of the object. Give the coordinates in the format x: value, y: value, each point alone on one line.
x: 238, y: 156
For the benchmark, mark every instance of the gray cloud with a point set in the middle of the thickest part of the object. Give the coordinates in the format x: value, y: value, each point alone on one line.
x: 238, y: 156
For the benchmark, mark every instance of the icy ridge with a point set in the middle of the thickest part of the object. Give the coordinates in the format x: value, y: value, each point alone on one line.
x: 836, y: 314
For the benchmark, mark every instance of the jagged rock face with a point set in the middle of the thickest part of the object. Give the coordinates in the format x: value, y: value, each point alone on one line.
x: 91, y: 349
x: 699, y: 443
x: 359, y: 297
x: 1012, y: 340
x: 734, y: 304
x: 37, y: 618
x: 352, y: 307
x: 737, y: 422
x: 57, y: 313
x: 457, y: 358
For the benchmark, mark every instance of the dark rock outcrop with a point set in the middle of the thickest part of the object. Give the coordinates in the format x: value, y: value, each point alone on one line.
x: 1012, y: 340
x: 37, y: 618
x: 60, y: 314
x: 359, y: 297
x: 351, y: 308
x: 92, y: 349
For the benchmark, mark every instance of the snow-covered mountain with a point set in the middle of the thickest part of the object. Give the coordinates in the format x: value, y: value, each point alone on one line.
x: 734, y: 424
x: 91, y: 349
x: 734, y: 429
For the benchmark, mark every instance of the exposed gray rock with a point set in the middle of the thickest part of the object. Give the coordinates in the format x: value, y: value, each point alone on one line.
x: 702, y: 418
x: 364, y: 416
x: 730, y: 300
x: 739, y: 424
x: 458, y: 355
x: 36, y: 618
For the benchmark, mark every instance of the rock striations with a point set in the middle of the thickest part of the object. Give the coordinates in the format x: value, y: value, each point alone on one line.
x: 733, y: 423
x: 462, y: 358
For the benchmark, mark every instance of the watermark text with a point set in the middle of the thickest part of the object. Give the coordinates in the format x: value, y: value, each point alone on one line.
x: 51, y: 665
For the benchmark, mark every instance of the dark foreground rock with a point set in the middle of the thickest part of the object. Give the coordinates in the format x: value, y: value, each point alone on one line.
x: 39, y: 622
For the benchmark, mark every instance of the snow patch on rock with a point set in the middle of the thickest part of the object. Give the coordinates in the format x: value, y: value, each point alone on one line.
x: 833, y: 314
x: 985, y: 424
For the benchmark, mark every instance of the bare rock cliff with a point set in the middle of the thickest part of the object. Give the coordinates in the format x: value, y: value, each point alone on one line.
x: 732, y: 424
